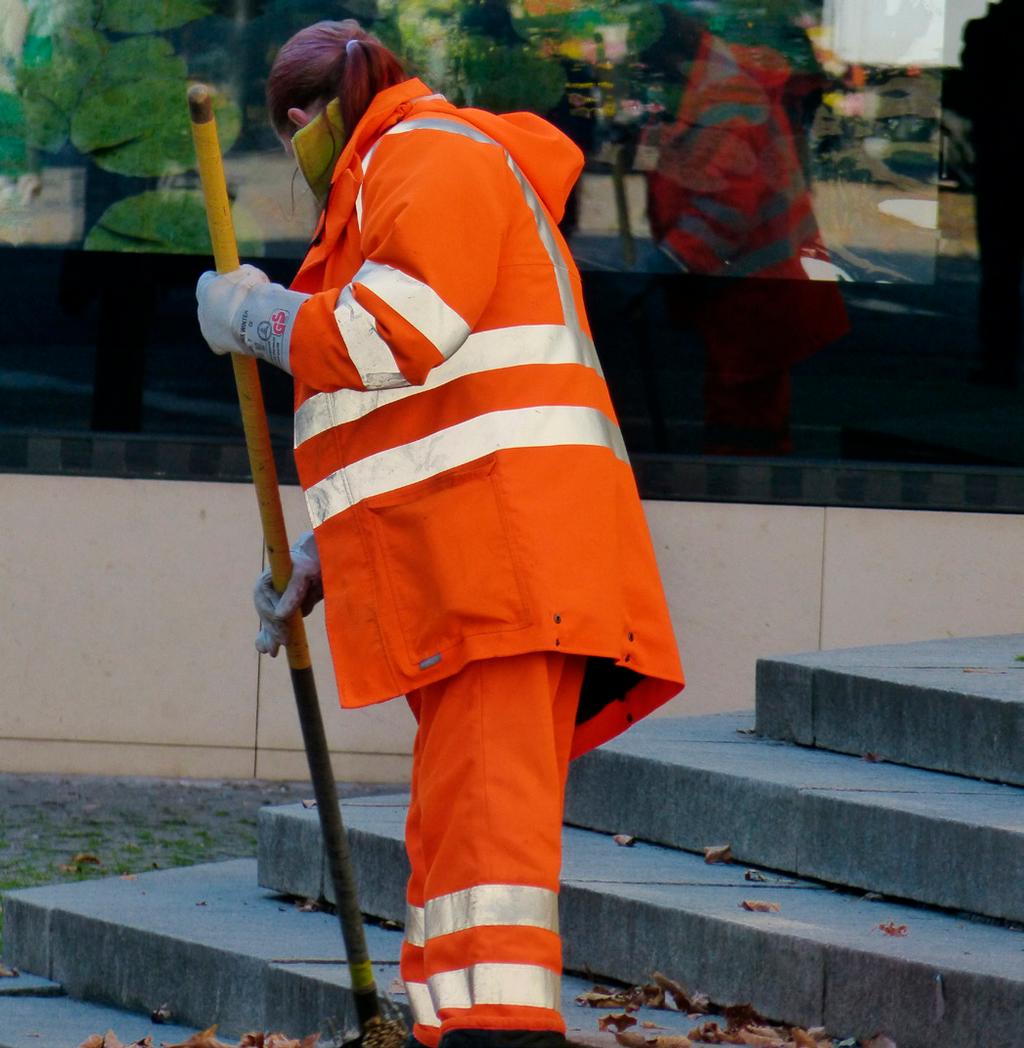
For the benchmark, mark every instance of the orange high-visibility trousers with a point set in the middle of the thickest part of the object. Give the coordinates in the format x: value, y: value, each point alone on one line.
x: 482, y: 949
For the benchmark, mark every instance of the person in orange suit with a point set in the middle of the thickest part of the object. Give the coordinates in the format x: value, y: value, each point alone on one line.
x: 728, y: 199
x: 477, y: 532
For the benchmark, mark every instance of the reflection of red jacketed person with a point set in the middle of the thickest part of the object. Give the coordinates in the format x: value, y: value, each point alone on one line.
x: 728, y: 198
x: 482, y: 544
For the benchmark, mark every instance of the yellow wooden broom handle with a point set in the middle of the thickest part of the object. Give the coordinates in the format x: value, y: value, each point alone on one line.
x: 247, y: 377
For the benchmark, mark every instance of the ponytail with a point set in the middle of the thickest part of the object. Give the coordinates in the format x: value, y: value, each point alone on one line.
x: 330, y: 60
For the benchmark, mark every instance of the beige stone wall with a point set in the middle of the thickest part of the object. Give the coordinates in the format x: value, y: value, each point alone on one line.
x: 126, y: 629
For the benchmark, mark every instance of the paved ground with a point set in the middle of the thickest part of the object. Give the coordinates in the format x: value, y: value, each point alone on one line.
x: 67, y: 828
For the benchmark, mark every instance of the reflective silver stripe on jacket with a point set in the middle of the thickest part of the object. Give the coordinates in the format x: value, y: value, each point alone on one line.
x: 540, y: 215
x: 534, y: 427
x: 370, y: 354
x: 522, y: 985
x: 483, y: 351
x: 485, y: 905
x: 420, y: 1004
x: 414, y: 927
x: 417, y: 303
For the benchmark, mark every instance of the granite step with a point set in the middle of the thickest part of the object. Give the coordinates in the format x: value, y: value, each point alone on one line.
x: 824, y: 958
x: 950, y: 705
x: 213, y: 947
x: 56, y: 1021
x: 691, y: 782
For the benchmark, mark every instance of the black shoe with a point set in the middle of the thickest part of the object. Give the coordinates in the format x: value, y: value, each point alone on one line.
x: 503, y: 1039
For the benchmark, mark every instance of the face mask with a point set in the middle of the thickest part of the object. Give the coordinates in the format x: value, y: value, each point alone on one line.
x: 317, y: 147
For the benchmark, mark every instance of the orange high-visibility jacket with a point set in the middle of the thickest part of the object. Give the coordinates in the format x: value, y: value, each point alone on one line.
x: 463, y: 468
x: 728, y: 196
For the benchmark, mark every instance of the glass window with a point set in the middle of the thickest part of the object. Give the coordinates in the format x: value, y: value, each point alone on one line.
x: 798, y: 222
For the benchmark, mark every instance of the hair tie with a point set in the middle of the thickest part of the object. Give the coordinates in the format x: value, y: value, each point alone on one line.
x: 350, y: 45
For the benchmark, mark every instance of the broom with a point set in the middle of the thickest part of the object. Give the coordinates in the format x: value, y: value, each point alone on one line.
x: 374, y: 1030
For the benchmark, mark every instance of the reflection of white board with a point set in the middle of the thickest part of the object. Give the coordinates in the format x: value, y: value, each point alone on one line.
x: 13, y: 25
x: 899, y: 32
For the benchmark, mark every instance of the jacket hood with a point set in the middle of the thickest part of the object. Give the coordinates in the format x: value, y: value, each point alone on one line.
x: 550, y: 161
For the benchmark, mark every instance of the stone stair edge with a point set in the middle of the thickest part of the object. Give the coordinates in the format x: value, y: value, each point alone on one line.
x: 377, y: 857
x: 286, y: 992
x: 883, y: 699
x: 872, y: 981
x: 844, y: 822
x: 920, y: 835
x: 1000, y: 645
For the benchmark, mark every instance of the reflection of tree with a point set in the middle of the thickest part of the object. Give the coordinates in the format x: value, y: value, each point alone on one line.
x: 102, y: 78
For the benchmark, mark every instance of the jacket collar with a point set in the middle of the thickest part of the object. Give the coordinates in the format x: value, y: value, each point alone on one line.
x: 387, y: 109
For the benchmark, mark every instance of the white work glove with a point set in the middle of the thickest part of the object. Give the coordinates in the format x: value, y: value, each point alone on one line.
x: 304, y: 591
x: 243, y: 312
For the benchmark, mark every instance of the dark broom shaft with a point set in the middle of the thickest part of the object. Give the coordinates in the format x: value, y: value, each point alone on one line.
x: 335, y: 841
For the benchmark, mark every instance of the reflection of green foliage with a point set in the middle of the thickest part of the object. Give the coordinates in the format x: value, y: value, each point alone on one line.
x: 503, y: 79
x: 51, y: 91
x: 766, y: 23
x: 121, y: 101
x: 585, y: 22
x: 168, y: 220
x: 134, y: 120
x: 12, y: 135
x: 149, y: 16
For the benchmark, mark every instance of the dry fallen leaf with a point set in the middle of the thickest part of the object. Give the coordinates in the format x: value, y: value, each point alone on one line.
x: 892, y: 928
x: 683, y: 999
x: 708, y: 1033
x: 880, y: 1040
x: 206, y: 1039
x: 631, y: 1039
x: 279, y: 1040
x: 737, y: 1015
x: 601, y: 997
x: 872, y: 758
x: 648, y: 1025
x: 8, y: 973
x: 673, y: 1041
x: 108, y: 1040
x: 129, y: 877
x: 624, y: 840
x: 718, y: 853
x: 804, y: 1038
x: 760, y: 1038
x: 650, y: 995
x: 309, y: 906
x: 78, y: 861
x: 755, y: 875
x: 760, y: 906
x: 617, y: 1021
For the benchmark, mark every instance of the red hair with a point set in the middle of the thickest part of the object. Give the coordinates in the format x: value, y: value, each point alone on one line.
x: 330, y: 60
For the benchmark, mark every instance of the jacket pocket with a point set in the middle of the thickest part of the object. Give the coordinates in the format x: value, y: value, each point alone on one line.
x: 443, y: 547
